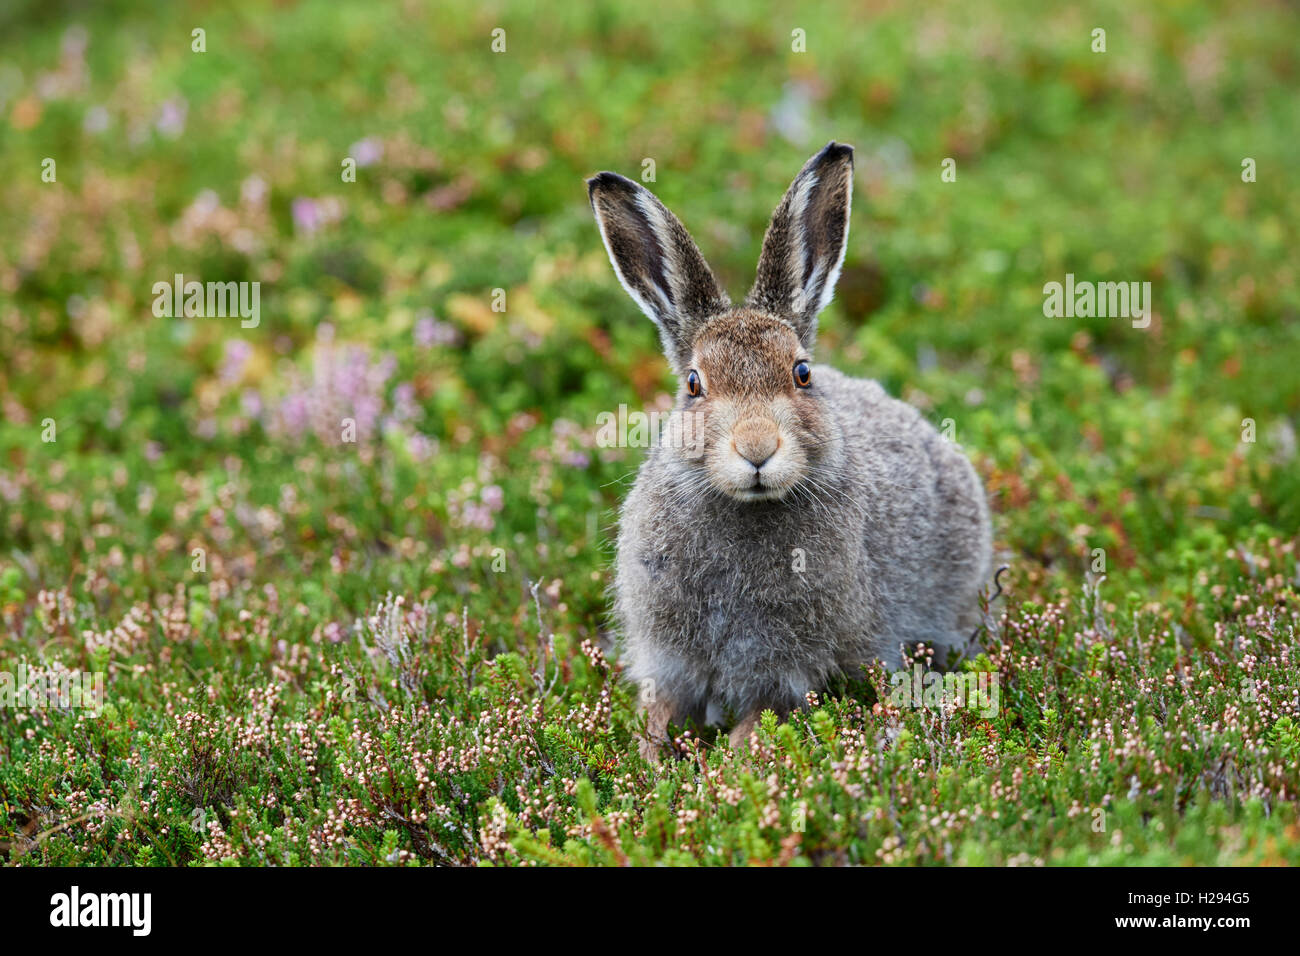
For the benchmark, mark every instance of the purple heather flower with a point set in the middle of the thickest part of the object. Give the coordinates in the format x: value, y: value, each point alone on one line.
x: 307, y: 217
x: 430, y: 332
x: 421, y: 447
x: 367, y: 151
x: 343, y: 382
x: 493, y: 497
x: 251, y: 402
x: 170, y: 121
x: 238, y: 352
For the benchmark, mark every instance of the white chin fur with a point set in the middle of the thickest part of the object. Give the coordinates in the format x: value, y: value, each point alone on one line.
x: 764, y: 493
x: 735, y: 478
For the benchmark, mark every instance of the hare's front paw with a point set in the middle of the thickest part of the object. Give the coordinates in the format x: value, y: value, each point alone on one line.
x: 652, y: 751
x: 740, y: 733
x: 657, y: 717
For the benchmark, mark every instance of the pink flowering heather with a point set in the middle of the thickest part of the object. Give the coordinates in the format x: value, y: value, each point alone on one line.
x: 430, y: 332
x: 235, y: 360
x: 367, y: 151
x: 472, y: 507
x: 342, y: 382
x: 170, y: 121
x: 312, y: 215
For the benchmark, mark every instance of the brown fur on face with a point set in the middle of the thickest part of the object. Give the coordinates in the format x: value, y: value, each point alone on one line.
x: 757, y: 433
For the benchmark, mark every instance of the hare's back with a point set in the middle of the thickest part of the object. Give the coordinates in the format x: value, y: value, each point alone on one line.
x: 927, y: 538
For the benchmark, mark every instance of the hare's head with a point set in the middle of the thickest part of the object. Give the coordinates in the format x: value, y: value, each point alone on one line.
x: 750, y: 419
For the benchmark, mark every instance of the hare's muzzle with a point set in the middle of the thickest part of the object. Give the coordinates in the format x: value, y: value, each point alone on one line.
x: 756, y: 440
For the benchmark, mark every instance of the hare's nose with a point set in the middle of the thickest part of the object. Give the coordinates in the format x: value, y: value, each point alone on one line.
x: 755, y: 441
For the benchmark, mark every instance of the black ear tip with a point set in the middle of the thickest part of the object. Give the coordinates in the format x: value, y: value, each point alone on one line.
x: 610, y: 181
x: 834, y: 150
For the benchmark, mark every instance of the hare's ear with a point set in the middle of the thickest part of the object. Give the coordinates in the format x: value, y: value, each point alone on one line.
x: 657, y: 262
x: 805, y: 243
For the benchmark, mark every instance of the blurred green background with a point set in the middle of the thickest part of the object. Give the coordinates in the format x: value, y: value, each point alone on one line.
x: 226, y: 165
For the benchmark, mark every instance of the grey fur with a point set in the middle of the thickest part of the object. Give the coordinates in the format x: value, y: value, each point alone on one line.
x: 888, y: 518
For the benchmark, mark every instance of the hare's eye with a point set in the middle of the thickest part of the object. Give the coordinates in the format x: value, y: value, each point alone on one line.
x: 802, y: 374
x: 693, y: 383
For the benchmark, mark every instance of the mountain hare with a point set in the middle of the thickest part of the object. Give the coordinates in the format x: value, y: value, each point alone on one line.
x: 791, y: 522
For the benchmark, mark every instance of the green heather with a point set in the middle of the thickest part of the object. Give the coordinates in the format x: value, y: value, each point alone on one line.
x: 397, y: 649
